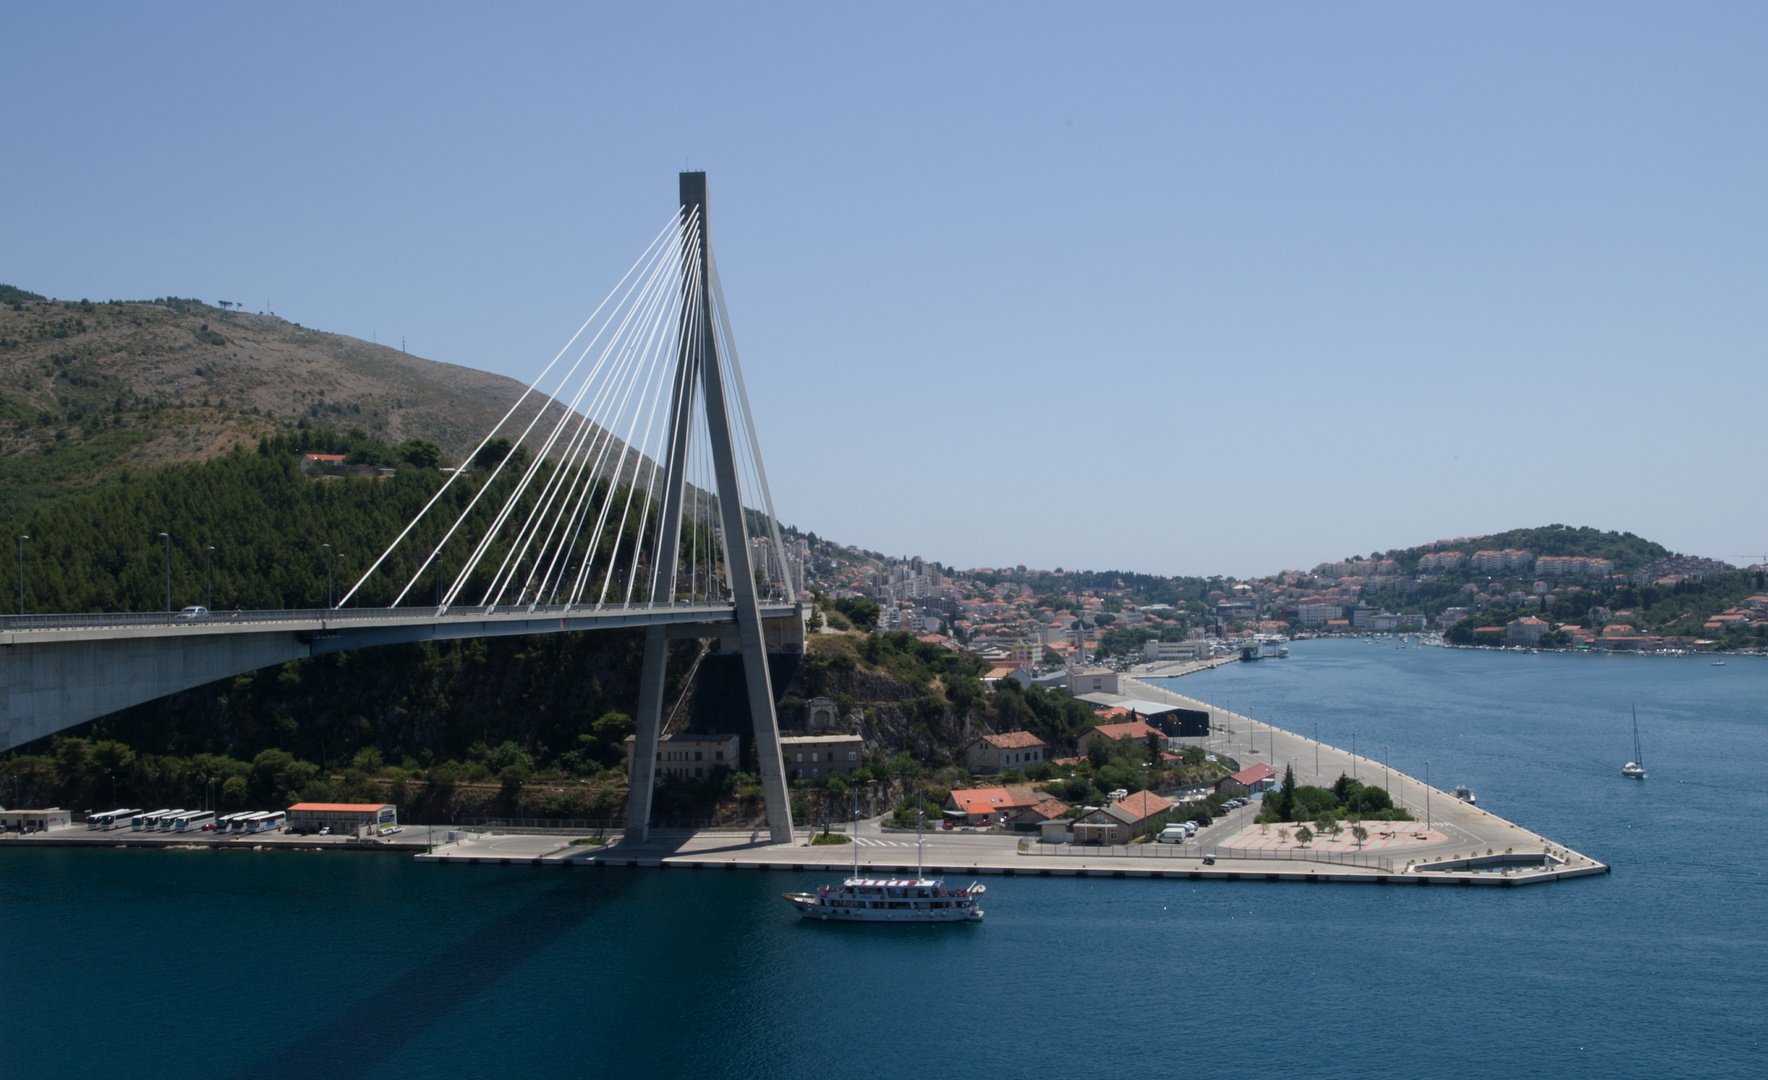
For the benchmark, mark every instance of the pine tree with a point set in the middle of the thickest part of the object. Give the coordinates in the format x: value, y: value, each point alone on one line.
x: 1287, y: 810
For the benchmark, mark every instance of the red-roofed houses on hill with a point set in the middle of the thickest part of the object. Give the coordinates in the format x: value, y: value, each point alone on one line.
x: 1009, y: 750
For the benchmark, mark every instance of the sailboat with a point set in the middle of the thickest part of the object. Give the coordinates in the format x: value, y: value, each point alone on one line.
x: 1634, y: 770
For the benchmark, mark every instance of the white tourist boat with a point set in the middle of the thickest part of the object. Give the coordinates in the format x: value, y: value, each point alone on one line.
x: 1634, y: 770
x: 1465, y: 794
x: 919, y: 899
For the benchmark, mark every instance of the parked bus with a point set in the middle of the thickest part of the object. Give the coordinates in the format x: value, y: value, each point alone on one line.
x: 164, y: 824
x: 112, y: 819
x: 246, y: 823
x: 148, y: 821
x: 193, y: 821
x: 225, y: 822
x: 269, y: 821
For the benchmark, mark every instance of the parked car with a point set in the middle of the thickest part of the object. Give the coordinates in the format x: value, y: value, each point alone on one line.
x: 1173, y: 834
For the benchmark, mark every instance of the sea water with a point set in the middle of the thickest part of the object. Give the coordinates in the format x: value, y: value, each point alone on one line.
x: 148, y: 964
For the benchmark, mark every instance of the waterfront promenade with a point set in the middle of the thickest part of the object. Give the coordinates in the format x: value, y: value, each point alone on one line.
x: 1450, y: 843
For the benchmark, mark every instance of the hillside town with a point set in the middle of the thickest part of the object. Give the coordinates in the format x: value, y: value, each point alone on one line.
x: 1470, y: 590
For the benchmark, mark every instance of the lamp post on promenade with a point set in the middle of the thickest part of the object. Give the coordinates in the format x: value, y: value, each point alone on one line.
x: 167, y: 537
x: 21, y: 574
x: 1353, y: 755
x: 1427, y: 796
x: 1317, y: 750
x: 1385, y: 786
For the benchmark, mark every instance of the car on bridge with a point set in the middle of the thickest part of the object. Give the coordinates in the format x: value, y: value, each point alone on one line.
x: 195, y: 611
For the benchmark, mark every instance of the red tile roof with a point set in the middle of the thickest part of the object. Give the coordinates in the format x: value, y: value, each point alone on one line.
x: 1144, y: 804
x: 1135, y: 729
x: 1049, y: 809
x: 1252, y: 774
x: 992, y: 800
x: 1013, y: 740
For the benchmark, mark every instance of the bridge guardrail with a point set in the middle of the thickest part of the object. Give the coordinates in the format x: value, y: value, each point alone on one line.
x: 328, y: 616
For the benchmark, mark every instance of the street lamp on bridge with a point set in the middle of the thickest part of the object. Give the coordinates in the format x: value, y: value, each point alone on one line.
x: 21, y: 574
x: 209, y: 578
x: 167, y: 537
x: 329, y: 556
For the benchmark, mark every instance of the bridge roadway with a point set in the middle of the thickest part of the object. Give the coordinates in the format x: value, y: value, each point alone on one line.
x: 60, y: 670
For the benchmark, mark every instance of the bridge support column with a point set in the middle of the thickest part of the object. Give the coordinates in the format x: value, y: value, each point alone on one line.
x: 642, y: 775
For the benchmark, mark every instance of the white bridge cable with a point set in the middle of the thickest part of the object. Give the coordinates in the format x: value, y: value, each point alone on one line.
x: 728, y: 335
x: 631, y: 303
x: 663, y: 387
x: 633, y: 361
x: 514, y: 500
x: 569, y: 466
x: 681, y: 370
x: 584, y: 578
x: 488, y: 483
x: 643, y: 258
x: 690, y: 346
x: 689, y: 325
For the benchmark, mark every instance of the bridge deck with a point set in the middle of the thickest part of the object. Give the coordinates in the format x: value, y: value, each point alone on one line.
x: 57, y: 629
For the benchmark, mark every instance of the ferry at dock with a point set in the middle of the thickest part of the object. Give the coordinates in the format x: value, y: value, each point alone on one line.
x: 919, y: 899
x: 916, y: 899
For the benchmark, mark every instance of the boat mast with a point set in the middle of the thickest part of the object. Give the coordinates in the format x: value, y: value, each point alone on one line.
x: 1636, y: 754
x: 920, y: 813
x: 854, y: 835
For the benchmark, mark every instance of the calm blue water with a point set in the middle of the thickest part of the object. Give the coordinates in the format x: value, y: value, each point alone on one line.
x: 235, y: 964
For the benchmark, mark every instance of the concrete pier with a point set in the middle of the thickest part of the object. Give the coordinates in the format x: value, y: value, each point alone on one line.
x: 1450, y: 843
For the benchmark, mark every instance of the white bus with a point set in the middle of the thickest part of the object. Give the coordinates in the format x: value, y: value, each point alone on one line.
x: 194, y: 821
x: 148, y: 820
x: 247, y: 823
x: 269, y: 821
x: 112, y: 819
x: 165, y: 820
x: 225, y: 822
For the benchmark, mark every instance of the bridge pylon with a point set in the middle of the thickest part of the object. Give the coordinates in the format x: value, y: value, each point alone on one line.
x: 698, y: 371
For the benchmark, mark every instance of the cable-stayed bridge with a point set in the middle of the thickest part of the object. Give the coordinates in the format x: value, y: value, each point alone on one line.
x: 635, y: 496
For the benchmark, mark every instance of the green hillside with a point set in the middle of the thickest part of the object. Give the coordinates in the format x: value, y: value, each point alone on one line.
x: 1627, y: 551
x: 91, y: 389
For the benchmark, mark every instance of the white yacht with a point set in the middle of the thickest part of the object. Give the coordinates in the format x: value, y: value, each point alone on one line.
x: 1465, y: 794
x: 919, y: 899
x: 916, y: 899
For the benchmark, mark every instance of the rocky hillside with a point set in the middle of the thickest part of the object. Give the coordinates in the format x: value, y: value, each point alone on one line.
x: 88, y: 389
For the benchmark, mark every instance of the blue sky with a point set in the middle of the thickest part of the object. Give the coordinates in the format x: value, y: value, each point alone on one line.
x: 1183, y: 288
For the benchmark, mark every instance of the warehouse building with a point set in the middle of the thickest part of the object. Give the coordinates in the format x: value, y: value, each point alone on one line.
x: 341, y: 818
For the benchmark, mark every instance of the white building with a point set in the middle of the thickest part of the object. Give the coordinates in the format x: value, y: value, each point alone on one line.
x: 1175, y: 650
x: 1091, y: 681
